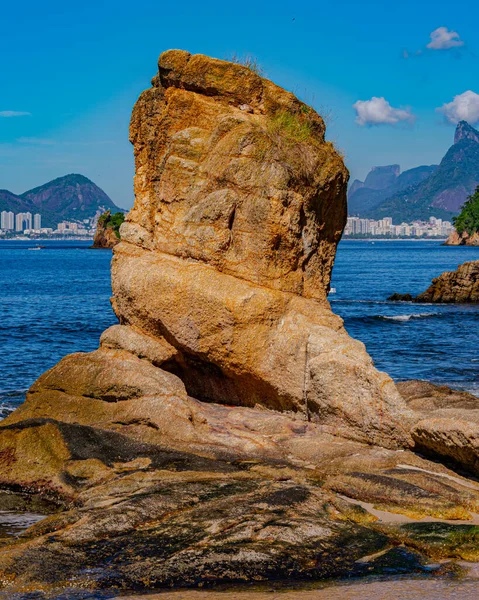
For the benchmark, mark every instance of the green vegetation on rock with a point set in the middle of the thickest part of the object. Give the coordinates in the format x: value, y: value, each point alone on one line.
x: 112, y: 221
x: 468, y: 219
x: 293, y: 127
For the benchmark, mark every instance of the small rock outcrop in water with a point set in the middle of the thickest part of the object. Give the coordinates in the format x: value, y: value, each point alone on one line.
x: 463, y: 239
x: 466, y: 224
x: 460, y: 286
x: 107, y: 233
x: 228, y: 429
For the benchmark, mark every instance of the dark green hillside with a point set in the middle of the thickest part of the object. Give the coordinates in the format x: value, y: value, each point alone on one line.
x: 468, y: 219
x: 445, y: 191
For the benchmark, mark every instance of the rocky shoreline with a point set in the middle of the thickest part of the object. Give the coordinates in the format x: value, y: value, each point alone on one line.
x: 462, y: 240
x: 460, y: 286
x: 228, y: 429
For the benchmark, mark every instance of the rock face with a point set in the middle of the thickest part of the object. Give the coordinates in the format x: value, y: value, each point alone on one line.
x: 460, y: 286
x: 107, y: 234
x: 228, y: 251
x: 105, y: 237
x: 464, y: 239
x: 228, y: 429
x: 465, y: 132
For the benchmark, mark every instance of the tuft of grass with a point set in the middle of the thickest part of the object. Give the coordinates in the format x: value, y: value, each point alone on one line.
x: 248, y: 61
x: 295, y: 128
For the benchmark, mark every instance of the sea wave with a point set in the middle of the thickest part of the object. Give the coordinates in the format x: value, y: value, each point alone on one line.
x: 405, y: 318
x: 5, y: 410
x: 9, y: 401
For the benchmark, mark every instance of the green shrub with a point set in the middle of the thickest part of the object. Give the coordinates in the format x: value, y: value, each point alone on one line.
x: 468, y: 219
x: 112, y: 221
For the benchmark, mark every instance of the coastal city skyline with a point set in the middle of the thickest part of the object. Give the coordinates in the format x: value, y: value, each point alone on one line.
x: 385, y: 227
x: 26, y: 223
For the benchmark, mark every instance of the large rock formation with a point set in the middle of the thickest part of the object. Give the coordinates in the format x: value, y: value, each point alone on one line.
x: 227, y: 253
x: 460, y: 286
x: 228, y: 428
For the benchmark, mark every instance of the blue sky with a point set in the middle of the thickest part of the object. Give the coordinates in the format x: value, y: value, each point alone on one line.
x: 77, y: 69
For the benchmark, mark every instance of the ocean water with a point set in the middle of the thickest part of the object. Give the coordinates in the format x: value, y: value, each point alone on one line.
x: 52, y: 302
x: 56, y: 301
x: 434, y: 342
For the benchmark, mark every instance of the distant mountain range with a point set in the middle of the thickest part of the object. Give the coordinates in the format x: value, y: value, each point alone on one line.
x: 69, y: 198
x: 436, y: 190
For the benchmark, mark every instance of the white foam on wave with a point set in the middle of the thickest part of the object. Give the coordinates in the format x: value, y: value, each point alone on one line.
x: 403, y: 318
x: 5, y: 410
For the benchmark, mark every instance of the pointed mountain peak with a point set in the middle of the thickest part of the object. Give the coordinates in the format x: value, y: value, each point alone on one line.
x: 465, y: 131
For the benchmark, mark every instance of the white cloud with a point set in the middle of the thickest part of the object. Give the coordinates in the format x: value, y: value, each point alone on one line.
x: 443, y: 39
x: 36, y: 141
x: 378, y: 111
x: 464, y: 107
x: 14, y: 113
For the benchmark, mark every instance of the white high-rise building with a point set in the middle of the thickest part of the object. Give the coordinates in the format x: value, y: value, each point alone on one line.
x: 7, y: 220
x: 37, y: 221
x: 19, y: 222
x: 28, y: 220
x: 23, y: 221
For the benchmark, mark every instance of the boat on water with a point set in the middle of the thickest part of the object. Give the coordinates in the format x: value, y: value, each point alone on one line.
x: 38, y: 247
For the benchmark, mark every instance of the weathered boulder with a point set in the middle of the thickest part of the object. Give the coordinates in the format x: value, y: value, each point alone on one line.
x: 423, y: 396
x: 107, y: 234
x: 461, y: 285
x: 448, y: 423
x: 454, y: 438
x: 228, y: 251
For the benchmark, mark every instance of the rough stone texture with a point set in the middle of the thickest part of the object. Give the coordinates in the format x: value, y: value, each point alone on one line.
x: 120, y: 337
x: 423, y: 396
x: 464, y: 239
x: 140, y: 515
x: 448, y: 427
x: 231, y: 188
x: 460, y: 286
x: 105, y: 237
x: 452, y: 438
x: 228, y: 250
